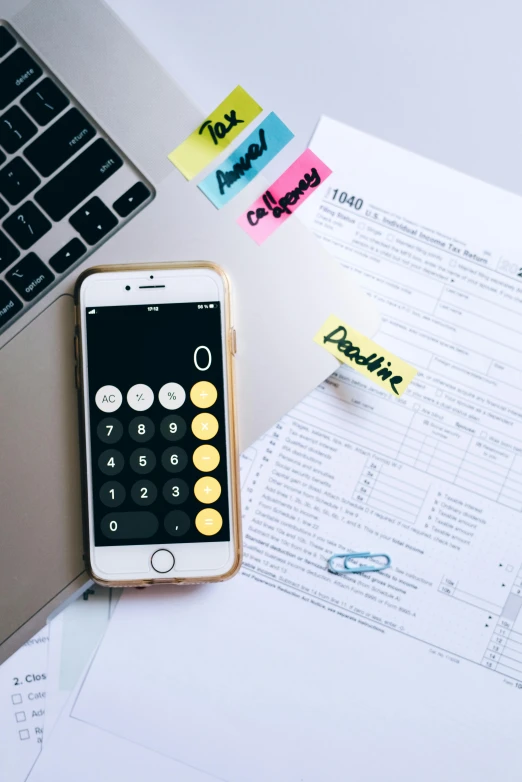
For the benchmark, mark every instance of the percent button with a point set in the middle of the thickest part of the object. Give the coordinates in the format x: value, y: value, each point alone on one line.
x: 172, y: 396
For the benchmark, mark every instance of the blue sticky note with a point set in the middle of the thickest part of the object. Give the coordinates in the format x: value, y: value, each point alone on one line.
x: 263, y: 144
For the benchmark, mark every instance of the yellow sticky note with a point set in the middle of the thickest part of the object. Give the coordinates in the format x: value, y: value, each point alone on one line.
x: 371, y: 360
x: 221, y: 127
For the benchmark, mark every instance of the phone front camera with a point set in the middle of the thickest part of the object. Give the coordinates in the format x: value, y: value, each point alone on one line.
x: 127, y: 287
x: 152, y: 276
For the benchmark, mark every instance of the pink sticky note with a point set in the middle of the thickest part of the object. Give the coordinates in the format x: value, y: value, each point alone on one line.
x: 283, y: 197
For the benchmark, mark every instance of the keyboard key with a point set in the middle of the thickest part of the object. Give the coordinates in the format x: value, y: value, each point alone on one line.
x: 44, y: 102
x: 6, y: 41
x: 75, y: 182
x: 29, y: 277
x: 93, y: 221
x: 3, y: 208
x: 8, y: 252
x: 9, y: 304
x: 130, y: 200
x: 65, y: 257
x: 27, y: 225
x: 17, y: 73
x: 60, y: 142
x: 15, y: 129
x: 2, y: 157
x: 17, y: 180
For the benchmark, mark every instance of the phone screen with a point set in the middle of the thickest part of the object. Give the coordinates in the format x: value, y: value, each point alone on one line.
x: 157, y: 424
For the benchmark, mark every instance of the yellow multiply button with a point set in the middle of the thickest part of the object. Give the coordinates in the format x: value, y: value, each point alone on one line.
x: 203, y: 394
x: 205, y: 426
x: 207, y: 490
x: 209, y: 521
x: 206, y: 458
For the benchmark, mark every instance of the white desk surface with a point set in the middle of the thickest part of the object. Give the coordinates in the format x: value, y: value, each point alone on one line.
x: 441, y: 79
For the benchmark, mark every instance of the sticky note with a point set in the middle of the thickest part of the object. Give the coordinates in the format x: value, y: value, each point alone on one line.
x: 221, y: 127
x: 245, y: 162
x: 371, y: 360
x: 292, y: 188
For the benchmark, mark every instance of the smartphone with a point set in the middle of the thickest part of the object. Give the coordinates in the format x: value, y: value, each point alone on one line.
x: 154, y: 348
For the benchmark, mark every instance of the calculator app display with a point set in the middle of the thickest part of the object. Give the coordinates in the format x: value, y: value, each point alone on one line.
x: 157, y: 424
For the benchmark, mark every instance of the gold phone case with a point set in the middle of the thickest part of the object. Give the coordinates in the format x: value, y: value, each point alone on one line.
x: 235, y: 507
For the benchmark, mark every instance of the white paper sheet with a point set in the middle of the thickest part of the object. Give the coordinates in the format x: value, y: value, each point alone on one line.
x: 23, y: 685
x: 74, y: 634
x: 290, y: 673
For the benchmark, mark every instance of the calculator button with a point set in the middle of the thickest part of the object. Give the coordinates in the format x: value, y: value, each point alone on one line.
x: 174, y: 459
x: 112, y: 494
x: 142, y: 460
x: 205, y: 426
x: 173, y: 427
x: 177, y: 523
x: 133, y: 524
x: 162, y: 560
x: 206, y: 458
x: 110, y: 430
x: 144, y: 492
x: 172, y: 396
x: 209, y: 521
x: 108, y: 399
x: 111, y: 462
x: 141, y: 429
x: 207, y: 490
x: 140, y: 397
x: 175, y: 491
x: 203, y: 394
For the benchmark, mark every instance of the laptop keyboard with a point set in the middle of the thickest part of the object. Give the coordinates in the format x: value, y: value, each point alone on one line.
x: 64, y: 187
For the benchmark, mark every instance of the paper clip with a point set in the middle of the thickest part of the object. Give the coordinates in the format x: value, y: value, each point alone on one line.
x: 357, y: 568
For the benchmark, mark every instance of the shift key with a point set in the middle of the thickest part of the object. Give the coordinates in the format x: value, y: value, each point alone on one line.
x: 60, y: 142
x: 74, y: 183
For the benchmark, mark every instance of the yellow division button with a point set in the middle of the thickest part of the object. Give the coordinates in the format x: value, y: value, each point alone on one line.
x: 207, y: 490
x: 203, y: 394
x: 206, y: 458
x: 205, y: 426
x: 209, y: 521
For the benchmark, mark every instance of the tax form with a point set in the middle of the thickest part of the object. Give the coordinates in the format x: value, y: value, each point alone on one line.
x: 23, y: 689
x: 288, y: 672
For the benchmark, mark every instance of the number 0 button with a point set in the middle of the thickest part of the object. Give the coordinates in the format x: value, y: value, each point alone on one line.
x: 175, y: 491
x: 144, y: 492
x: 111, y: 462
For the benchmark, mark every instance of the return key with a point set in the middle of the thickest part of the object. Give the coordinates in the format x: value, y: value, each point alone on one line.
x: 60, y: 142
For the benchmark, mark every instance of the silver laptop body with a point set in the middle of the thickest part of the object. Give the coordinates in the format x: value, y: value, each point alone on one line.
x: 87, y: 119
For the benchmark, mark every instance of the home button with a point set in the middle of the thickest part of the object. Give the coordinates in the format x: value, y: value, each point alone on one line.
x: 162, y: 561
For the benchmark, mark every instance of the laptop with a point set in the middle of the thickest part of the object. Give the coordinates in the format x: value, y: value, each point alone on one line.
x: 87, y: 119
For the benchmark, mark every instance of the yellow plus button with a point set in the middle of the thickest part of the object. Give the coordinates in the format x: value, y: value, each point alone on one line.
x: 207, y: 490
